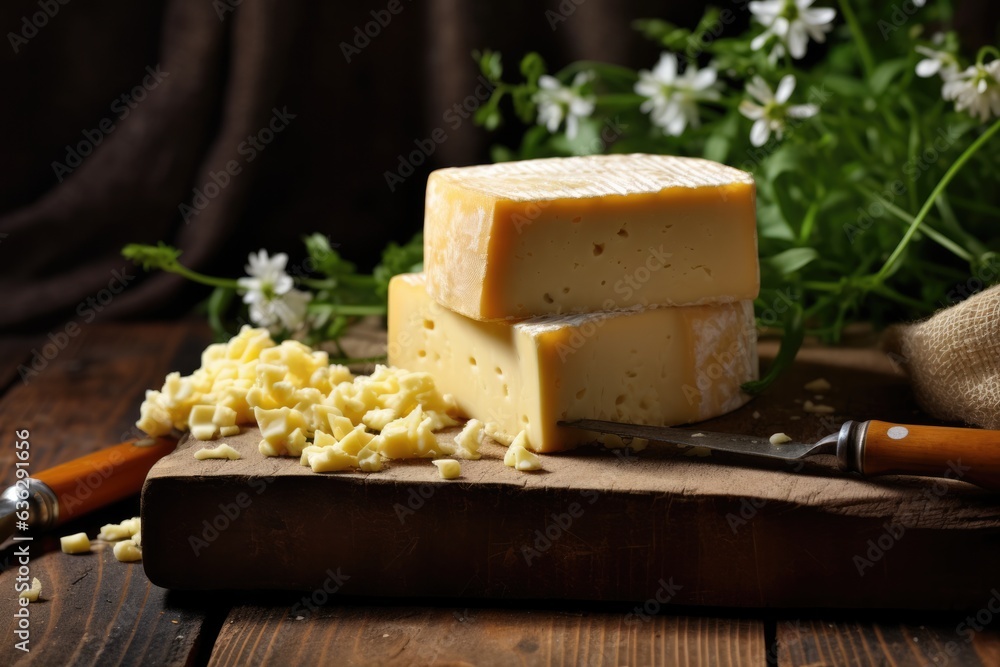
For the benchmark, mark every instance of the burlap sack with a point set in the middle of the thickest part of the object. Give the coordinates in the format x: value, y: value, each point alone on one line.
x: 953, y: 360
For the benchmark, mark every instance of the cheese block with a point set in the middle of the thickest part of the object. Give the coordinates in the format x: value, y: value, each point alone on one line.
x: 660, y: 366
x: 584, y: 234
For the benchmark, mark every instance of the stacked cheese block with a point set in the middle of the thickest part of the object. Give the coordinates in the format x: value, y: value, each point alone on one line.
x: 613, y: 287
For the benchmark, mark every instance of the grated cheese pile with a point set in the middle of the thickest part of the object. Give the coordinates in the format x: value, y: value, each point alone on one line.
x: 307, y: 408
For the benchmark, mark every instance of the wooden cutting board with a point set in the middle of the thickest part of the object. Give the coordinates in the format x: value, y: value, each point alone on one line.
x: 664, y: 526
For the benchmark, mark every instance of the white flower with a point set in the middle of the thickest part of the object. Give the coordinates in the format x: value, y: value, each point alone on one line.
x: 976, y: 90
x: 936, y: 62
x: 268, y: 289
x: 773, y: 112
x: 556, y: 102
x: 793, y: 22
x: 672, y: 99
x: 286, y: 312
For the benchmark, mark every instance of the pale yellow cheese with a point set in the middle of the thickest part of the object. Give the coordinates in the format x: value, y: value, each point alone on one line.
x: 448, y: 468
x: 76, y: 543
x: 584, y: 234
x: 223, y: 451
x: 127, y: 551
x: 659, y: 366
x: 31, y: 594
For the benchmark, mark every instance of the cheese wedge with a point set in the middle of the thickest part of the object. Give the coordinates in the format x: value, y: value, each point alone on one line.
x: 659, y: 366
x: 585, y: 234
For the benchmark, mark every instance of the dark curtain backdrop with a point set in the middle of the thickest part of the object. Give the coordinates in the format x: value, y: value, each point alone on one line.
x: 205, y: 84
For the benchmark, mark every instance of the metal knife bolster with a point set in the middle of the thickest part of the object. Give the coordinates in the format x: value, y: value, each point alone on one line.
x: 41, y: 504
x: 850, y: 445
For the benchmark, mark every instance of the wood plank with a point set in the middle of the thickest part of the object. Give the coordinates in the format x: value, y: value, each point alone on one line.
x: 348, y: 634
x: 932, y: 640
x: 96, y: 610
x: 15, y: 352
x: 730, y: 535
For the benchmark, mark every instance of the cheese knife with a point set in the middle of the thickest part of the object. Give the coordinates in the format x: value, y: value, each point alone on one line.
x: 71, y: 489
x: 869, y: 448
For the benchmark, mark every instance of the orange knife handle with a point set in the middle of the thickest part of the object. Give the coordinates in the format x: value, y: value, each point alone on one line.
x: 971, y: 455
x: 104, y: 477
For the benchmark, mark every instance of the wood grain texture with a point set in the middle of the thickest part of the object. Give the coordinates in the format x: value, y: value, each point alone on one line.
x: 972, y: 455
x: 95, y: 610
x: 730, y: 534
x: 939, y: 641
x: 402, y: 636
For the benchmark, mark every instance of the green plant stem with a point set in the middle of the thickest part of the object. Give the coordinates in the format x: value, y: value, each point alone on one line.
x: 194, y: 276
x: 339, y: 281
x: 347, y: 309
x: 938, y: 189
x: 932, y: 233
x: 791, y: 341
x: 859, y: 37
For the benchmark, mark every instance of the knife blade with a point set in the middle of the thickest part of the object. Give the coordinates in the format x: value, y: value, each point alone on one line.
x: 82, y: 485
x: 868, y: 448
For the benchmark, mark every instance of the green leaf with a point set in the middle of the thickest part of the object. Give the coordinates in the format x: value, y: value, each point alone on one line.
x: 398, y: 259
x: 324, y: 259
x: 795, y: 331
x: 489, y: 64
x: 532, y: 67
x: 791, y: 260
x: 886, y: 73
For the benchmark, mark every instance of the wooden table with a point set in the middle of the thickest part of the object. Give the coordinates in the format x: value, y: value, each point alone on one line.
x: 97, y: 611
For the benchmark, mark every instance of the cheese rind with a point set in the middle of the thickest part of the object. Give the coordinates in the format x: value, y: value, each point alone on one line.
x: 584, y: 234
x: 660, y: 366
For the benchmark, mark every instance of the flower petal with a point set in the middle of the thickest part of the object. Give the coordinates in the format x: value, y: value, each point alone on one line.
x: 751, y: 110
x: 785, y: 89
x: 759, y: 133
x: 666, y: 69
x: 797, y: 40
x: 759, y: 89
x: 928, y: 67
x: 803, y: 110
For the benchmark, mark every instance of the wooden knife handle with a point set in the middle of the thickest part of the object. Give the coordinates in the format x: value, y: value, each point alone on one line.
x: 971, y: 455
x: 104, y: 477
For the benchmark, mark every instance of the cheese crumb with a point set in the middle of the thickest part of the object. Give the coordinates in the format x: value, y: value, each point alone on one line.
x: 448, y: 468
x: 75, y: 544
x: 126, y: 551
x: 31, y: 595
x: 470, y: 440
x: 113, y: 532
x: 518, y: 455
x: 697, y: 435
x: 223, y: 451
x: 818, y: 408
x: 818, y: 386
x: 756, y: 414
x: 779, y: 439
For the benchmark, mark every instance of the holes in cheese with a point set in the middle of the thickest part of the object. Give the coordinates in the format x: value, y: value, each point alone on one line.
x: 586, y: 234
x: 659, y: 366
